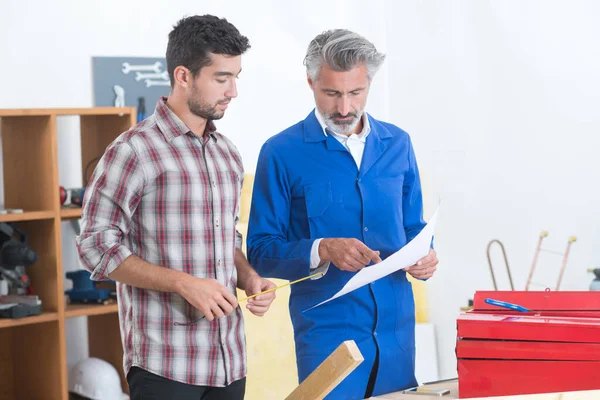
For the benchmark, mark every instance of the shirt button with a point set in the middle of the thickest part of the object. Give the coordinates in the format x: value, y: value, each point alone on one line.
x: 374, y: 333
x: 219, y: 263
x: 366, y: 229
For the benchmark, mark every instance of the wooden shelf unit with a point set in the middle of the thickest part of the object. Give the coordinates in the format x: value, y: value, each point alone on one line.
x: 70, y: 213
x: 34, y: 348
x: 85, y: 310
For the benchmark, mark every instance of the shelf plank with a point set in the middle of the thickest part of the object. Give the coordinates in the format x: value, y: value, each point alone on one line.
x: 83, y: 310
x: 38, y: 319
x: 70, y: 213
x: 27, y: 216
x: 33, y: 112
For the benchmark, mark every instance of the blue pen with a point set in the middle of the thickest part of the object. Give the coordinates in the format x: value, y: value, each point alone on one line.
x: 504, y: 304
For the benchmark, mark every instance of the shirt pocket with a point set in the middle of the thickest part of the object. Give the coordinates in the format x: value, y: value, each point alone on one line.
x: 230, y: 190
x: 318, y: 198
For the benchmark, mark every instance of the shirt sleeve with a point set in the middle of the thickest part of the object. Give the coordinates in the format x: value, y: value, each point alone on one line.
x: 315, y: 261
x: 111, y: 199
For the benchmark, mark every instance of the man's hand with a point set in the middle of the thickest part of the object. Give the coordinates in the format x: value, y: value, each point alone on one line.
x: 425, y: 267
x: 209, y: 296
x: 347, y: 254
x: 259, y: 305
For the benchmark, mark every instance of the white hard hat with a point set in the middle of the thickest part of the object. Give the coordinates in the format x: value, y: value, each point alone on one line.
x: 96, y: 379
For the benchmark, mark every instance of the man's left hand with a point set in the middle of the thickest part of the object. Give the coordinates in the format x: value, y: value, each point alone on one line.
x: 425, y: 267
x: 259, y: 305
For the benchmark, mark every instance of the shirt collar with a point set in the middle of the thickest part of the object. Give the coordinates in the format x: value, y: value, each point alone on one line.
x: 171, y: 126
x: 362, y: 136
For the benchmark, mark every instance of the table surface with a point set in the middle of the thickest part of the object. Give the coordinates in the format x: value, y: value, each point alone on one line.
x: 453, y: 387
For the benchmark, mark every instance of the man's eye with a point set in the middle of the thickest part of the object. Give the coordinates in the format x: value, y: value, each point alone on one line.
x: 221, y: 80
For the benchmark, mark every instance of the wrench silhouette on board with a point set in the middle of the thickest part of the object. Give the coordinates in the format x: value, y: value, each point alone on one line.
x: 151, y: 82
x: 127, y: 68
x: 162, y: 75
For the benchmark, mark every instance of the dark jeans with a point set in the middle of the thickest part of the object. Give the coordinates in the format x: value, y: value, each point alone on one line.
x: 144, y: 385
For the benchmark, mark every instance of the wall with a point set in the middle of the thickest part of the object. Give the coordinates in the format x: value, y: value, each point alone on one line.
x: 501, y: 99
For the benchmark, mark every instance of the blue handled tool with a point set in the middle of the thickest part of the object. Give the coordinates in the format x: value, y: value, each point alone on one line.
x: 504, y: 304
x: 141, y: 109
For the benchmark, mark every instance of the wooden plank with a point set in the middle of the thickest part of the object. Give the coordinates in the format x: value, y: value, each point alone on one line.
x: 38, y: 319
x: 27, y: 216
x: 20, y: 112
x: 55, y: 246
x: 97, y: 132
x: 70, y: 213
x: 81, y: 310
x: 45, y: 274
x: 330, y: 373
x: 28, y: 159
x: 36, y: 362
x: 7, y: 391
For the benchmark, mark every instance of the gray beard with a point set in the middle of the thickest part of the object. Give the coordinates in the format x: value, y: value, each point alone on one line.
x: 342, y: 129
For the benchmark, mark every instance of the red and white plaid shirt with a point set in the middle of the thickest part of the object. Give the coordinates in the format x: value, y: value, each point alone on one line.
x: 171, y: 198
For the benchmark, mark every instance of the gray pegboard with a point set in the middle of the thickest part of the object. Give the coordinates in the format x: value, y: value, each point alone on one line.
x: 138, y: 76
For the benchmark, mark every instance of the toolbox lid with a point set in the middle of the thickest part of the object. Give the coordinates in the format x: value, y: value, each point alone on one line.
x: 473, y: 325
x: 540, y: 300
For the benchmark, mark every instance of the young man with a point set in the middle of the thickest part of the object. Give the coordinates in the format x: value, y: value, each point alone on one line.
x: 335, y: 193
x: 160, y: 218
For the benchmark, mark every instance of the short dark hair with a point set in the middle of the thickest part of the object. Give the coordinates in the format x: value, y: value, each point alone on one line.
x: 193, y: 38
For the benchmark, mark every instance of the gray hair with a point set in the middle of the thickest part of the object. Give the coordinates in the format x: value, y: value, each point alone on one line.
x: 341, y: 50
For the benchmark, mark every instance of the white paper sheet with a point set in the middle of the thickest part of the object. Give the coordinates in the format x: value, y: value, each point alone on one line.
x: 407, y: 256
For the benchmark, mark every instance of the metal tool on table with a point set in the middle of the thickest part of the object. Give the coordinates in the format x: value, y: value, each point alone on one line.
x: 539, y: 249
x: 595, y: 285
x: 489, y: 257
x: 119, y: 96
x: 510, y: 306
x: 141, y: 109
x: 85, y: 290
x: 15, y: 256
x: 71, y: 197
x: 512, y: 287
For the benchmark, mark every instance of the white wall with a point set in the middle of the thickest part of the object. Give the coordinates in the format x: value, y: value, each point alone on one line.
x: 500, y: 98
x: 47, y: 61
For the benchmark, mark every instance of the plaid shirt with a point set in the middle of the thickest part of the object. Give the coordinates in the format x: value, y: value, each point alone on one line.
x: 171, y: 198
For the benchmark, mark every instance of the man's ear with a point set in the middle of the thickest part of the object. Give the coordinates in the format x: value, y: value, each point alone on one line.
x: 182, y: 77
x: 310, y: 81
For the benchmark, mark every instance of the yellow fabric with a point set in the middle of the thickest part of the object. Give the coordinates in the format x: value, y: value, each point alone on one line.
x: 272, y: 372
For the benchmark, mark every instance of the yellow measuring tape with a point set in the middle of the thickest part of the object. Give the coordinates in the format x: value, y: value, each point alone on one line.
x: 318, y: 274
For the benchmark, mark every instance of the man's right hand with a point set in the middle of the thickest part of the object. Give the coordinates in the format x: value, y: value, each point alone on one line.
x: 209, y: 296
x: 347, y: 254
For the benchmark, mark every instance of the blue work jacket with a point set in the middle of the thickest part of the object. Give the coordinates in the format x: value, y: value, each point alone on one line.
x: 308, y: 186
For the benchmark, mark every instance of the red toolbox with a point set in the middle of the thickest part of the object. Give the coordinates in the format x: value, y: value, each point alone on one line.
x: 552, y: 346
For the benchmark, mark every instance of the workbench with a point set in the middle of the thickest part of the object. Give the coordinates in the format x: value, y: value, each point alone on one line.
x: 453, y: 387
